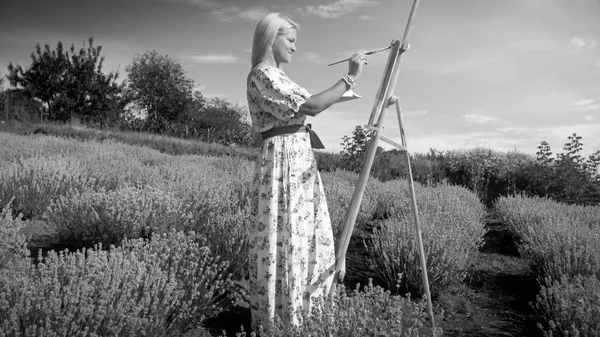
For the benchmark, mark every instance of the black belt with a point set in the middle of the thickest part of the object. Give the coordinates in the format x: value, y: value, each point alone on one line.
x: 315, y: 142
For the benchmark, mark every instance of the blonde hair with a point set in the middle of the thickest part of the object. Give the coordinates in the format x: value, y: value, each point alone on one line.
x: 264, y: 35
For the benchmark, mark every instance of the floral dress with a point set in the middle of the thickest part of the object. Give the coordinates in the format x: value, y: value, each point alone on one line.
x: 292, y: 255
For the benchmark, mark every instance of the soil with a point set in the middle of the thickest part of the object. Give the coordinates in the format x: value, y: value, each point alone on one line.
x: 494, y: 299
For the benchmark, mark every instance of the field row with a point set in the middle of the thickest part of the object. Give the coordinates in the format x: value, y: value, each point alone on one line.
x: 106, y: 192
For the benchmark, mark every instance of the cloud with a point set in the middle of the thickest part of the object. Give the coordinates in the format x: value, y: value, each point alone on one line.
x: 312, y: 57
x: 586, y: 42
x: 366, y: 17
x: 201, y: 3
x: 597, y: 64
x: 212, y: 58
x: 338, y: 8
x: 587, y: 104
x: 478, y: 119
x: 459, y: 141
x: 227, y: 13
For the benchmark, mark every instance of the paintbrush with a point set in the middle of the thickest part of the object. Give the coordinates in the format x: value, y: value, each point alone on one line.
x: 366, y: 53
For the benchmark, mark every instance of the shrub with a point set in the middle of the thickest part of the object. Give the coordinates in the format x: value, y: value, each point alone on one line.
x: 228, y: 236
x: 88, y: 218
x: 374, y: 312
x: 339, y: 188
x: 12, y: 243
x: 165, y: 144
x: 451, y: 220
x: 562, y: 243
x: 560, y: 239
x: 488, y: 173
x: 216, y: 192
x: 571, y: 306
x: 35, y: 182
x: 155, y: 288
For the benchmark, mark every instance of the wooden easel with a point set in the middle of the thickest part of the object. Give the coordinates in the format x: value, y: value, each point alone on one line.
x: 383, y: 100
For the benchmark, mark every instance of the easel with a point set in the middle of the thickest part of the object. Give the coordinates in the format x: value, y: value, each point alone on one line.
x: 383, y: 100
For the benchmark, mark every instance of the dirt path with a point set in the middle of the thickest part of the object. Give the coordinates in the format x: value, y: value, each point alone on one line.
x: 494, y: 299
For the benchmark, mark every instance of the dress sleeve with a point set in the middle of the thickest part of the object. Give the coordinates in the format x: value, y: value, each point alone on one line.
x: 277, y: 94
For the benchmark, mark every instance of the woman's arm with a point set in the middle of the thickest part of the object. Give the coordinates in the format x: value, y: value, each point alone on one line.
x: 319, y: 102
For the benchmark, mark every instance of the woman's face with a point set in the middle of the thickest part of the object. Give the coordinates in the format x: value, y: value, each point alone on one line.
x: 284, y: 46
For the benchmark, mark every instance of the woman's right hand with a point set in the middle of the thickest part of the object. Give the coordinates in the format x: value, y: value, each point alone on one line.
x: 356, y: 64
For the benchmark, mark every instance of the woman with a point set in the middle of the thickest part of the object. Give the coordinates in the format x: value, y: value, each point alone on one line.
x: 292, y: 255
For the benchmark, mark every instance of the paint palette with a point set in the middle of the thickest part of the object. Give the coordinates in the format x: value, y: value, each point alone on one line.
x: 348, y: 96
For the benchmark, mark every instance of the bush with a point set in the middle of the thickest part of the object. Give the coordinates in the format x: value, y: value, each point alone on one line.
x: 107, y: 217
x: 562, y: 243
x: 451, y: 220
x: 12, y: 243
x: 165, y: 144
x: 152, y: 288
x: 559, y: 239
x: 572, y: 307
x: 374, y: 312
x: 35, y: 182
x: 339, y: 188
x: 490, y: 174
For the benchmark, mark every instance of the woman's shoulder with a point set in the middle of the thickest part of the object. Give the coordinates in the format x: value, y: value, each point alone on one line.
x: 266, y: 71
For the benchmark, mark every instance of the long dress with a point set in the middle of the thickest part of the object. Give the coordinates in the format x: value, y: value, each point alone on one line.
x: 292, y: 254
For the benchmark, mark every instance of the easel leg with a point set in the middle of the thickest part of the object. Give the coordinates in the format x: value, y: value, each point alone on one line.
x: 395, y: 100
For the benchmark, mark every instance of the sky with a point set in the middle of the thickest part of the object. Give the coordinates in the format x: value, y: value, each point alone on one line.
x: 498, y: 74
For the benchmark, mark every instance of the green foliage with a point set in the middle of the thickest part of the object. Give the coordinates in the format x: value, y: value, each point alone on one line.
x: 328, y: 161
x: 165, y: 144
x: 339, y: 188
x: 12, y: 243
x: 427, y: 169
x: 560, y: 239
x: 218, y: 122
x: 17, y: 105
x: 70, y: 84
x: 488, y: 173
x: 451, y: 219
x: 101, y: 192
x: 355, y: 150
x: 34, y: 182
x: 158, y: 85
x: 152, y: 288
x: 372, y: 312
x: 567, y: 178
x: 544, y: 154
x: 83, y: 219
x: 562, y: 243
x: 572, y: 307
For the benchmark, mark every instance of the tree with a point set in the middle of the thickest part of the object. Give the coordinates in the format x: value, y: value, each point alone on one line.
x: 88, y: 92
x: 159, y: 86
x: 44, y: 78
x: 572, y: 148
x: 569, y: 178
x: 355, y: 149
x: 225, y: 123
x: 68, y: 84
x: 544, y: 154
